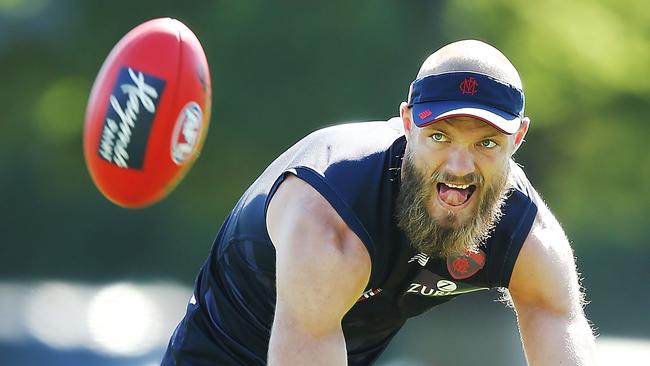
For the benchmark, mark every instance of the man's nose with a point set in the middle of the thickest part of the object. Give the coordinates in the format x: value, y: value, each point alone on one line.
x: 460, y: 162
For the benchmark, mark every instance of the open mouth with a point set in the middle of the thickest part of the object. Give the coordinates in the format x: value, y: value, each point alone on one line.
x: 455, y: 194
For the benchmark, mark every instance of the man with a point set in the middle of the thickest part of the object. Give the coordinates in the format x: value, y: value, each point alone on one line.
x: 358, y: 227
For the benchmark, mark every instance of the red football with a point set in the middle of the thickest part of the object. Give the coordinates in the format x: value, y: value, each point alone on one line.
x: 148, y: 113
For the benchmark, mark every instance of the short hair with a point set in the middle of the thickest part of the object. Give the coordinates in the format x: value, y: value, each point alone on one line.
x: 474, y: 56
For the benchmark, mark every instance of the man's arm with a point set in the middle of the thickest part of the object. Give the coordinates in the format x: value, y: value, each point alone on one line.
x: 548, y: 300
x: 321, y: 270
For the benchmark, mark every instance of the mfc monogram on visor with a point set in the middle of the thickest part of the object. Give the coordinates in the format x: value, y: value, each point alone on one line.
x: 452, y: 94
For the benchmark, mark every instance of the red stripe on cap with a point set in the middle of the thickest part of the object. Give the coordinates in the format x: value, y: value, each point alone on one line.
x: 425, y: 114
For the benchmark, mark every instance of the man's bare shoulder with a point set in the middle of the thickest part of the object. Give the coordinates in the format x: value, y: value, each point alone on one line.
x: 296, y: 205
x: 314, y: 245
x: 545, y: 273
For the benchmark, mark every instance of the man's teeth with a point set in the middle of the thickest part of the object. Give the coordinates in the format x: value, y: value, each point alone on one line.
x: 457, y: 186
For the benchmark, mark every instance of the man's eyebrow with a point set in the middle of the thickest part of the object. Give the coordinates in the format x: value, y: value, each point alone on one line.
x: 497, y: 134
x: 436, y: 127
x: 492, y: 133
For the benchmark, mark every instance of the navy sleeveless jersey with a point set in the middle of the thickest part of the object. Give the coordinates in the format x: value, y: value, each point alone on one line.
x: 356, y: 168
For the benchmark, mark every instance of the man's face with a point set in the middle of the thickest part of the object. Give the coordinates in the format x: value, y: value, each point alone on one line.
x: 454, y: 181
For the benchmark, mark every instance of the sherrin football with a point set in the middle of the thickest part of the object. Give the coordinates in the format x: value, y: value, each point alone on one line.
x: 148, y: 113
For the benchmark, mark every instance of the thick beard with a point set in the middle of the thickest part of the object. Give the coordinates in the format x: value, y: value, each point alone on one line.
x: 430, y: 237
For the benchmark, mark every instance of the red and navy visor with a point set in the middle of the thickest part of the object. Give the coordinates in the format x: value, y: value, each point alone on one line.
x: 467, y: 94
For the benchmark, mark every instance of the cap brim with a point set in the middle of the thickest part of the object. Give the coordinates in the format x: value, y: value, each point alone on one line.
x: 425, y: 114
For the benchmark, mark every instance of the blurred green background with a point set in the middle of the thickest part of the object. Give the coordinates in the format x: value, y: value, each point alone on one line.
x: 586, y: 74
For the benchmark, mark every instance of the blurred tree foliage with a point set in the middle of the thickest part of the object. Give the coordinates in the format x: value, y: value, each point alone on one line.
x: 282, y: 69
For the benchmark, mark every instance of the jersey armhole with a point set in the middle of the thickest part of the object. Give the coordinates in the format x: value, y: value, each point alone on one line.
x: 516, y: 243
x: 317, y: 181
x: 527, y: 199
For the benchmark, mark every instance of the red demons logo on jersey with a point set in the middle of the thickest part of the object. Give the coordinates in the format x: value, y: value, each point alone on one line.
x: 462, y: 267
x: 469, y: 86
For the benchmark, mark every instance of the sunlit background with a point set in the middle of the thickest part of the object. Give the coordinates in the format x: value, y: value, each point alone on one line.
x: 83, y: 282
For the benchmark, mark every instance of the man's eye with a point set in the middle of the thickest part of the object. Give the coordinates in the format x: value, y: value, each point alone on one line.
x: 488, y: 144
x: 438, y: 137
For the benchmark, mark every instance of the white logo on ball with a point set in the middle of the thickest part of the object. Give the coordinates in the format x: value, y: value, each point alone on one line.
x: 187, y: 132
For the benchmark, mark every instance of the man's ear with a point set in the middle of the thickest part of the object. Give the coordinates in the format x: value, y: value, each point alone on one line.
x: 521, y: 133
x: 407, y: 122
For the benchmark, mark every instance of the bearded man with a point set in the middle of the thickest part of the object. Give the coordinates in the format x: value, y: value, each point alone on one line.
x: 358, y: 227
